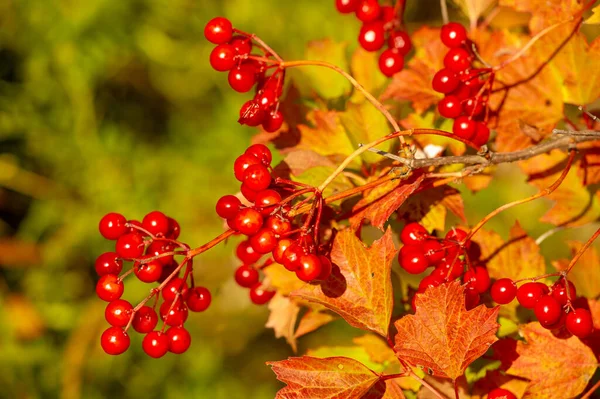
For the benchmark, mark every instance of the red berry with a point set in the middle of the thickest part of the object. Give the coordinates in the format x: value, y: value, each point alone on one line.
x: 148, y: 272
x: 173, y: 313
x: 434, y: 252
x: 559, y: 292
x: 118, y: 312
x: 457, y: 60
x: 529, y: 293
x: 413, y: 260
x: 346, y: 6
x: 273, y: 121
x: 133, y: 224
x: 472, y: 297
x: 112, y: 226
x: 248, y: 193
x: 464, y: 127
x: 503, y: 291
x: 179, y: 339
x: 368, y: 10
x: 261, y: 152
x: 158, y: 248
x: 145, y: 320
x: 372, y: 36
x: 291, y: 257
x: 114, y: 341
x: 222, y: 57
x: 387, y: 14
x: 326, y: 268
x: 278, y: 225
x: 547, y: 310
x: 156, y: 223
x: 246, y: 253
x: 413, y: 233
x: 242, y: 78
x: 248, y: 221
x: 155, y: 344
x: 174, y: 229
x: 228, y: 206
x: 453, y: 34
x: 429, y: 282
x: 266, y: 200
x: 456, y: 236
x: 390, y: 62
x: 177, y: 285
x: 451, y: 270
x: 400, y: 40
x: 251, y: 114
x: 479, y: 278
x: 241, y: 44
x: 130, y: 246
x: 445, y: 81
x: 257, y: 177
x: 449, y: 107
x: 199, y: 299
x: 108, y: 263
x: 218, y: 30
x: 280, y: 248
x: 500, y: 393
x: 264, y: 241
x: 310, y: 268
x: 246, y: 276
x: 109, y: 287
x: 474, y: 107
x: 259, y: 295
x: 579, y: 323
x: 482, y: 134
x: 266, y: 98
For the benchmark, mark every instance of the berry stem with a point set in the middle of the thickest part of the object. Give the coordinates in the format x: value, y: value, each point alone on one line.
x: 593, y: 389
x: 444, y: 9
x: 393, y: 376
x: 261, y: 43
x: 197, y: 251
x: 582, y: 250
x: 540, y: 194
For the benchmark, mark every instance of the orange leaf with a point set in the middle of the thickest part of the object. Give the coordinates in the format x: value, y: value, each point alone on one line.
x: 379, y: 203
x: 544, y: 12
x: 311, y: 321
x: 558, y: 368
x: 282, y: 319
x: 586, y: 273
x: 443, y: 337
x: 326, y: 136
x: 360, y: 286
x: 413, y: 83
x: 331, y: 378
x: 517, y: 258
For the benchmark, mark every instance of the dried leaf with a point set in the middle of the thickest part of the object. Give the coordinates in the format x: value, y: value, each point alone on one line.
x: 558, y: 368
x: 360, y: 286
x: 330, y: 378
x: 443, y: 337
x: 586, y: 272
x: 378, y: 204
x: 413, y: 83
x: 282, y: 318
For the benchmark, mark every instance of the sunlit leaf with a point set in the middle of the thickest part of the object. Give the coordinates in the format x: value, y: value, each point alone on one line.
x: 282, y: 319
x: 586, y: 273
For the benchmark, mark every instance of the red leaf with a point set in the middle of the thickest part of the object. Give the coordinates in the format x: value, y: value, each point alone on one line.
x: 360, y: 286
x: 330, y: 378
x: 443, y: 337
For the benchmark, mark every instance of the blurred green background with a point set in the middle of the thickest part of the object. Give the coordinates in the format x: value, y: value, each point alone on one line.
x: 111, y: 105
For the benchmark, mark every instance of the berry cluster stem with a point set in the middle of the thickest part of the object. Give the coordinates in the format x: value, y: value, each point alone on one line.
x: 582, y: 250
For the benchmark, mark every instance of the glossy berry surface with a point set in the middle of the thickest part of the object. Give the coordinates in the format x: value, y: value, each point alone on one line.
x: 108, y: 263
x: 259, y: 295
x: 156, y: 223
x: 579, y: 323
x: 257, y: 177
x: 400, y: 41
x: 547, y: 310
x: 273, y: 121
x: 174, y: 287
x: 155, y: 344
x: 261, y: 152
x: 500, y: 393
x: 228, y: 206
x: 457, y: 60
x: 242, y: 78
x: 413, y: 233
x: 450, y: 107
x: 114, y: 341
x: 109, y: 288
x: 529, y: 293
x: 414, y: 261
x: 246, y: 276
x: 368, y: 10
x: 464, y: 127
x: 310, y: 268
x: 248, y: 221
x: 118, y: 313
x: 559, y: 292
x: 444, y: 81
x: 222, y: 57
x: 145, y: 320
x: 246, y: 253
x: 264, y: 241
x: 179, y: 339
x: 130, y: 246
x: 242, y: 163
x: 503, y: 291
x: 346, y: 6
x: 173, y: 313
x: 218, y: 30
x: 478, y: 278
x: 453, y: 34
x: 390, y: 62
x: 199, y: 299
x: 372, y: 36
x: 112, y: 226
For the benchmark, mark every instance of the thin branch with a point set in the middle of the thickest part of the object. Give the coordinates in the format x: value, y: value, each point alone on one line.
x: 444, y: 8
x: 582, y: 250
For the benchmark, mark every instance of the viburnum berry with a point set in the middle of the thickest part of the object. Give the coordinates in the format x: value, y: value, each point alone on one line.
x: 390, y: 62
x: 368, y: 10
x: 413, y: 233
x: 529, y: 293
x: 474, y: 107
x: 278, y: 225
x: 112, y: 226
x: 259, y: 295
x: 133, y: 224
x: 241, y: 44
x: 145, y: 320
x: 346, y: 6
x: 159, y: 248
x: 482, y: 134
x: 246, y: 276
x: 246, y: 253
x: 547, y: 310
x: 479, y: 278
x: 222, y: 57
x: 157, y: 223
x: 279, y: 250
x: 248, y: 193
x: 309, y: 269
x: 251, y: 113
x: 199, y: 299
x: 457, y: 60
x: 118, y: 312
x: 372, y: 36
x: 453, y: 34
x: 257, y: 177
x: 429, y: 282
x: 108, y: 263
x: 387, y: 14
x: 450, y: 107
x: 500, y: 393
x: 413, y: 260
x: 248, y: 221
x: 179, y: 339
x: 503, y: 291
x: 472, y: 297
x: 242, y: 78
x: 261, y: 152
x: 228, y: 206
x: 266, y: 200
x: 130, y: 246
x: 579, y: 323
x: 291, y: 257
x: 326, y: 268
x: 177, y: 285
x: 173, y: 313
x: 400, y: 40
x: 109, y: 287
x: 273, y: 121
x: 464, y: 127
x: 559, y: 292
x: 218, y: 30
x: 451, y: 270
x: 264, y: 241
x: 114, y: 341
x: 445, y: 81
x: 155, y: 344
x: 174, y: 229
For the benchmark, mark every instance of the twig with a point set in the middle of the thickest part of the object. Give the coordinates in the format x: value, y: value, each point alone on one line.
x: 444, y: 8
x: 582, y: 250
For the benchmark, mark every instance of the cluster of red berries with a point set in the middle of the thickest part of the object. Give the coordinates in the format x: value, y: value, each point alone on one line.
x: 466, y: 93
x: 149, y: 245
x: 500, y: 393
x: 267, y: 226
x: 233, y: 54
x: 446, y: 256
x: 380, y: 25
x: 551, y: 305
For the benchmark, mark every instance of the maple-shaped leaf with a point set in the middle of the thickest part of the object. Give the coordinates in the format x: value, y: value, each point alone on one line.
x: 557, y: 368
x: 282, y: 319
x: 442, y: 336
x: 378, y: 204
x: 517, y: 258
x: 329, y: 378
x: 360, y: 286
x: 586, y: 273
x: 413, y: 83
